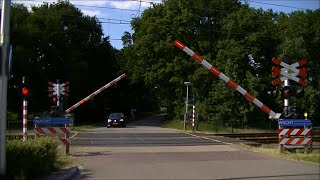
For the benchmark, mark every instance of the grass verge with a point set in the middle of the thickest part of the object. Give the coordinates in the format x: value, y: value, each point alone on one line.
x: 207, y: 127
x: 272, y: 150
x: 83, y: 127
x: 65, y: 161
x: 313, y: 157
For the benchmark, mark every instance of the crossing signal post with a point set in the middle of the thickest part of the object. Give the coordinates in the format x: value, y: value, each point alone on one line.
x: 294, y: 78
x: 57, y: 91
x: 25, y: 92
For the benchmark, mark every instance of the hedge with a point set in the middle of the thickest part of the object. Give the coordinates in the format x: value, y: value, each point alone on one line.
x: 31, y: 158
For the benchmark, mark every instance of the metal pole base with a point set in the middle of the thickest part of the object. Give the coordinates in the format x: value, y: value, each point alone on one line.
x: 184, y: 121
x: 280, y: 148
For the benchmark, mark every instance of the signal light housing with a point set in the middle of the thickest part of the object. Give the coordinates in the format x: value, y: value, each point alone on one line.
x: 25, y: 91
x: 292, y: 91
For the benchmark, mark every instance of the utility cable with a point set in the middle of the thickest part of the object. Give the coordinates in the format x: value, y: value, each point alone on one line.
x: 152, y: 2
x: 272, y: 4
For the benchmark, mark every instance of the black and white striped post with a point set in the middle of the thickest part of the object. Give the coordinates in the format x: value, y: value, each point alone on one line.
x: 194, y: 114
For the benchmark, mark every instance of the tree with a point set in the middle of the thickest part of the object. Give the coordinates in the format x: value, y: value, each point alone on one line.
x: 238, y: 40
x: 152, y: 59
x: 56, y: 41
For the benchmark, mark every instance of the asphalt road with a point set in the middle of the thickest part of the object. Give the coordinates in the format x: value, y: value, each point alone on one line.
x: 145, y: 151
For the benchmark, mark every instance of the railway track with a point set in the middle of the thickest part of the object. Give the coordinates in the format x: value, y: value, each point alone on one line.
x: 255, y: 138
x: 262, y: 138
x: 19, y: 136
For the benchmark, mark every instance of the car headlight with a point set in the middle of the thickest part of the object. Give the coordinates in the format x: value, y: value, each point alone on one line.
x: 121, y: 119
x: 109, y: 120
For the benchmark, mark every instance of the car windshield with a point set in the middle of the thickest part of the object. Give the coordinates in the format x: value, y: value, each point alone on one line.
x: 115, y: 116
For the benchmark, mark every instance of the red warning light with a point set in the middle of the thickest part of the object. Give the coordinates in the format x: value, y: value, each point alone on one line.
x: 25, y: 91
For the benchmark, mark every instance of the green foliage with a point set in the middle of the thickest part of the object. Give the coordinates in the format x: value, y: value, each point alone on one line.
x: 238, y: 40
x: 31, y: 158
x: 11, y: 116
x: 57, y: 41
x: 311, y: 104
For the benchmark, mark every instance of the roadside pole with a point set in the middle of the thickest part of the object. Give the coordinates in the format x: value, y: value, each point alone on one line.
x: 58, y: 93
x: 286, y: 111
x: 193, y: 114
x: 66, y: 136
x: 4, y: 68
x: 186, y: 103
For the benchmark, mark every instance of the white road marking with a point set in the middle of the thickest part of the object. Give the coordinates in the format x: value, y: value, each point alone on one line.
x: 214, y: 140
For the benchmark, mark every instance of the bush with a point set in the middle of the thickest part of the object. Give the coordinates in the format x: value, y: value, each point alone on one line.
x: 31, y: 158
x: 11, y: 116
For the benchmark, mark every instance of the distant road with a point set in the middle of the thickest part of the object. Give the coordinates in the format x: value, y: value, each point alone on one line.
x: 145, y: 151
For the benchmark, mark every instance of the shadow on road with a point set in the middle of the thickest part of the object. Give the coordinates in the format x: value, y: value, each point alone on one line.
x: 93, y: 154
x: 86, y: 174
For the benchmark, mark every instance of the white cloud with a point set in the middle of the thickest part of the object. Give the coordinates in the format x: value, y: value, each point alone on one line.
x: 121, y: 4
x: 131, y: 4
x: 92, y: 13
x: 89, y: 2
x: 75, y: 2
x: 29, y: 3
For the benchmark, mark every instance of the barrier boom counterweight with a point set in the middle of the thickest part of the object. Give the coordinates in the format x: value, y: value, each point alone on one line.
x: 226, y: 79
x: 96, y: 92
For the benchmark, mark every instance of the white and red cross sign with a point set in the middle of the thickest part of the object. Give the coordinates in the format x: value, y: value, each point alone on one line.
x: 289, y: 72
x: 56, y: 89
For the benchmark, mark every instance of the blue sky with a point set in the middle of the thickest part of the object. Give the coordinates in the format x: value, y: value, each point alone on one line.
x: 115, y: 15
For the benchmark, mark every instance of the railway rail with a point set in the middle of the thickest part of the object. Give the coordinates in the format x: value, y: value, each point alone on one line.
x: 256, y: 138
x: 262, y: 138
x: 19, y: 136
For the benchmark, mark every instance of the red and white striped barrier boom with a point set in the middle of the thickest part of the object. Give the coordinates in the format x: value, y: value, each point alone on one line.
x: 226, y: 79
x: 96, y: 92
